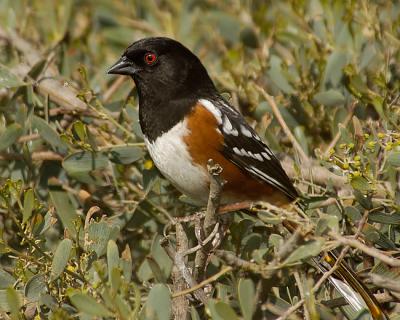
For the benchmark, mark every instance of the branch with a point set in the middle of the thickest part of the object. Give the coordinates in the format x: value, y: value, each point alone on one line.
x: 36, y: 156
x: 304, y: 158
x: 368, y: 250
x: 210, y: 219
x: 63, y: 95
x: 203, y: 283
x: 340, y: 302
x: 180, y: 304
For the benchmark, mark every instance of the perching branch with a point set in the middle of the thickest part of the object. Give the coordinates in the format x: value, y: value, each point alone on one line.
x: 210, y: 219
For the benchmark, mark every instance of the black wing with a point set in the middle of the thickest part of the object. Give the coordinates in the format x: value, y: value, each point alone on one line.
x: 243, y: 147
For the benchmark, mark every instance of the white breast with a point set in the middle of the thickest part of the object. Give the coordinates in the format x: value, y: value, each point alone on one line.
x: 170, y: 155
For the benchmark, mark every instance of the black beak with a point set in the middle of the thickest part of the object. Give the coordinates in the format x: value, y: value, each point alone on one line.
x: 122, y: 66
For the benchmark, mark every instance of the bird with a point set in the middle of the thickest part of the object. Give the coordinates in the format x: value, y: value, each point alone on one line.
x: 185, y: 122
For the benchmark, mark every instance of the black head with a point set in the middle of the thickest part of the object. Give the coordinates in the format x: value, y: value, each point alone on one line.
x: 163, y: 67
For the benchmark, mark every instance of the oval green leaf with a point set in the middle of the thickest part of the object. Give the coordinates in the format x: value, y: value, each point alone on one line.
x: 48, y: 134
x: 60, y: 259
x: 158, y: 305
x: 10, y: 135
x: 329, y: 98
x: 125, y: 154
x: 305, y: 251
x: 246, y: 294
x: 29, y: 204
x: 9, y: 79
x: 221, y: 311
x: 112, y: 258
x: 88, y: 305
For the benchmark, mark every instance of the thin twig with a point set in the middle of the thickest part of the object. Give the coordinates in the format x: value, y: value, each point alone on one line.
x: 113, y: 88
x: 36, y: 156
x: 204, y: 282
x: 340, y: 302
x: 300, y: 285
x: 203, y: 243
x: 339, y: 132
x: 368, y: 250
x: 271, y: 101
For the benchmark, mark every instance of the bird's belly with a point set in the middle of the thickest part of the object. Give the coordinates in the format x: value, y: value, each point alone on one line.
x: 170, y: 155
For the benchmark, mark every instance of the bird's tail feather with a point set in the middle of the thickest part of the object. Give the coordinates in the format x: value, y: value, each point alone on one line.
x: 351, y: 288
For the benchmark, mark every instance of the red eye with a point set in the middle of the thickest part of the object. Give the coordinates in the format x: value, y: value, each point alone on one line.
x: 150, y: 58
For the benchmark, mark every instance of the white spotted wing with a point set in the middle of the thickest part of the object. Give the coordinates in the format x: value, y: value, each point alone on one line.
x: 244, y: 147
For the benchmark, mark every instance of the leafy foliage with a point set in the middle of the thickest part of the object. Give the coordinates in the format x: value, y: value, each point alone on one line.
x: 86, y: 221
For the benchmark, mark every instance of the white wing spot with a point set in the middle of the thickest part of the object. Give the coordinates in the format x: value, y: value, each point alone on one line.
x: 228, y: 128
x: 213, y: 109
x: 256, y: 137
x: 246, y: 132
x: 244, y: 152
x: 268, y: 151
x: 265, y: 155
x: 258, y: 157
x: 227, y: 124
x: 237, y: 151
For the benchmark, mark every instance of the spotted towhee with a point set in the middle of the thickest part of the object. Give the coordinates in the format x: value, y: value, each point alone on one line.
x: 186, y: 122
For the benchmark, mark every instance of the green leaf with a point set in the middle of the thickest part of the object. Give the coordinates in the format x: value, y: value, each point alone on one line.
x: 353, y: 213
x: 221, y: 311
x: 64, y: 208
x: 156, y: 270
x: 10, y: 135
x: 329, y: 98
x: 327, y: 223
x: 246, y: 294
x: 125, y: 154
x: 60, y: 259
x: 334, y: 68
x: 48, y: 134
x: 380, y: 217
x: 360, y: 183
x: 83, y: 165
x: 14, y: 302
x: 158, y: 305
x: 29, y: 204
x: 35, y: 287
x: 112, y: 258
x: 88, y: 305
x: 305, y: 251
x: 161, y: 258
x: 394, y: 158
x: 99, y: 233
x: 79, y: 129
x: 126, y: 263
x: 6, y: 279
x: 277, y: 76
x: 9, y: 79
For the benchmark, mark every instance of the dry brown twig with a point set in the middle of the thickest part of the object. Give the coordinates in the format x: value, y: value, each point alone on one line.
x: 375, y: 253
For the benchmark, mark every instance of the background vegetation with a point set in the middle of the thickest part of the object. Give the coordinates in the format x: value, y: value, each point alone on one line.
x: 87, y: 224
